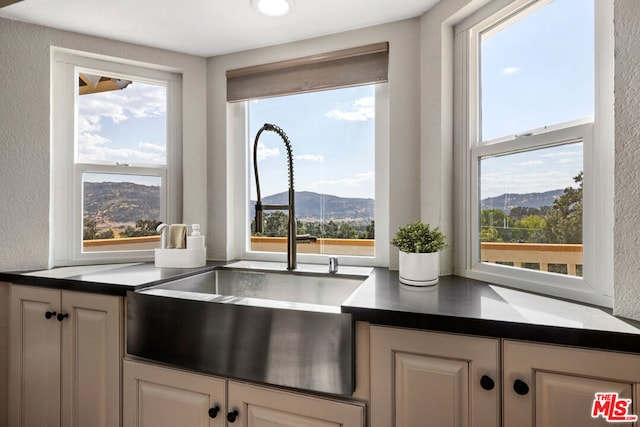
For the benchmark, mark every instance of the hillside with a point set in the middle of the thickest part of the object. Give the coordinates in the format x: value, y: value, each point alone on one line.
x: 120, y: 202
x: 311, y: 206
x: 506, y: 202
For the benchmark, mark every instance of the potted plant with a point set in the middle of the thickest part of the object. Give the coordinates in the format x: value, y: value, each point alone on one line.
x: 419, y: 245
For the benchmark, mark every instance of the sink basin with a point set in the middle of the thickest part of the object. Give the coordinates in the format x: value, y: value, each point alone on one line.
x: 246, y: 286
x: 277, y: 327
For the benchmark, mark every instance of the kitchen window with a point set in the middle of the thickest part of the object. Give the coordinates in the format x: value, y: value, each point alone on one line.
x: 337, y: 133
x: 534, y: 143
x: 116, y: 157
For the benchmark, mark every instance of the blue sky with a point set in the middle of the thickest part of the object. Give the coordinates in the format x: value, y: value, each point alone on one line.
x: 332, y: 136
x: 125, y: 126
x: 536, y: 73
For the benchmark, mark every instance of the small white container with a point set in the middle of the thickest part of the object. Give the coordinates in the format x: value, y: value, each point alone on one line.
x: 195, y: 240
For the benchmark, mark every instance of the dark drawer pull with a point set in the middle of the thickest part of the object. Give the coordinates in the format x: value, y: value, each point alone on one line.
x: 487, y: 383
x: 520, y: 387
x: 231, y: 416
x: 49, y: 314
x: 213, y: 412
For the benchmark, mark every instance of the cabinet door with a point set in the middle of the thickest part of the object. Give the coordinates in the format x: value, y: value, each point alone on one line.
x: 433, y: 379
x: 155, y: 396
x: 557, y: 385
x: 91, y: 358
x: 258, y: 406
x: 34, y: 359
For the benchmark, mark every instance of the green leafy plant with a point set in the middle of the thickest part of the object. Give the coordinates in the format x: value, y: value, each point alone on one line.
x: 419, y: 238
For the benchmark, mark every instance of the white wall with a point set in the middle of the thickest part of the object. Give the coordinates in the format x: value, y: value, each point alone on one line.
x: 25, y: 133
x: 404, y: 78
x: 627, y: 159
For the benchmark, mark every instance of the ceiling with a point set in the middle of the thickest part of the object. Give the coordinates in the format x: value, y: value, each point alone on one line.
x: 208, y: 27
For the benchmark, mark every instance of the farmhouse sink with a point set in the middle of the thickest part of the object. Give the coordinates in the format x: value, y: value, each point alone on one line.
x: 277, y: 327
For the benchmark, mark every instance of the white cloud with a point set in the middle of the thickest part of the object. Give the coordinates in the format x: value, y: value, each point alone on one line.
x: 510, y: 70
x: 138, y: 101
x: 311, y: 157
x: 96, y: 148
x: 360, y: 110
x: 264, y: 152
x: 531, y: 163
x: 355, y: 181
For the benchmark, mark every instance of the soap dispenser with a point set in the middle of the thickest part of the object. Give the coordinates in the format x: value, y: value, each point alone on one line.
x: 195, y: 240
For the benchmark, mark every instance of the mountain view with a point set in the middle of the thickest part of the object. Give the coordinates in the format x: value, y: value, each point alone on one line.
x: 314, y: 206
x: 124, y: 207
x: 506, y: 202
x: 118, y: 205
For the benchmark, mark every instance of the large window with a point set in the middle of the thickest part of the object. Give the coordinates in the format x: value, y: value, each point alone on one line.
x: 533, y: 148
x: 333, y: 139
x: 115, y: 155
x: 338, y: 136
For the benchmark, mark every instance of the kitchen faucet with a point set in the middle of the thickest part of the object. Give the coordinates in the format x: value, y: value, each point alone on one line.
x: 292, y: 231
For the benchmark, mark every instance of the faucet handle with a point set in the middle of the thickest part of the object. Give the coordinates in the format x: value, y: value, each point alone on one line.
x: 333, y: 264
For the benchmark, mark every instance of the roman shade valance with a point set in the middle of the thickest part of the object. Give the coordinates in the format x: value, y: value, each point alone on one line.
x: 343, y: 68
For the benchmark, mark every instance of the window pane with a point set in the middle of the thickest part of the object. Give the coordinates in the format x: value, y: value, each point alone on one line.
x: 121, y: 121
x: 332, y: 135
x: 120, y: 212
x: 531, y: 209
x: 537, y: 69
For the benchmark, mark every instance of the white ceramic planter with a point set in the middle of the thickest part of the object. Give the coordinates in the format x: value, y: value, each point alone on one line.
x: 419, y: 269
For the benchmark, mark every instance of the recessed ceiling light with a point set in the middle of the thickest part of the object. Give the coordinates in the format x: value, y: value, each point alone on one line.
x: 272, y: 7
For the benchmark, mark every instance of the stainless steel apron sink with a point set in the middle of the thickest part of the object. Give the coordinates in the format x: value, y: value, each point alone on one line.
x: 282, y: 328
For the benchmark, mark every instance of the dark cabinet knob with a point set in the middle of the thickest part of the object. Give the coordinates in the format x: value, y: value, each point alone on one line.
x: 231, y: 416
x: 49, y: 314
x: 62, y: 316
x: 487, y: 383
x: 213, y: 412
x: 520, y: 387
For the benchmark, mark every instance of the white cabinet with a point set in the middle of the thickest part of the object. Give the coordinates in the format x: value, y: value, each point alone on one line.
x: 160, y: 396
x: 259, y: 406
x: 64, y: 360
x: 155, y: 396
x: 433, y: 379
x: 553, y: 386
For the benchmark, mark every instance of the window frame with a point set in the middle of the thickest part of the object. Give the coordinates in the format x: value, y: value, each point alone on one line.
x: 66, y: 183
x: 239, y: 135
x: 596, y: 285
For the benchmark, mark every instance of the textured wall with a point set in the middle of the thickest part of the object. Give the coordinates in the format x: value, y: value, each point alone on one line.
x: 25, y: 133
x: 627, y: 162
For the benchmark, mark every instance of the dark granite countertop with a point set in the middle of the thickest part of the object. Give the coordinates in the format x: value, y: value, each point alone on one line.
x: 466, y: 306
x: 111, y: 279
x: 455, y: 305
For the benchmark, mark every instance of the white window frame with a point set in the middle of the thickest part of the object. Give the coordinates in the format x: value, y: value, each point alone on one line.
x: 66, y: 183
x: 596, y: 285
x: 239, y: 134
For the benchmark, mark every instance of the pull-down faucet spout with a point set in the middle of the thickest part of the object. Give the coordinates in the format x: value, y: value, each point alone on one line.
x: 292, y: 236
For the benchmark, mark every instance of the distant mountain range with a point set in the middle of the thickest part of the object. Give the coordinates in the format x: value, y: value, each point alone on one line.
x: 125, y: 202
x: 506, y: 202
x: 312, y: 206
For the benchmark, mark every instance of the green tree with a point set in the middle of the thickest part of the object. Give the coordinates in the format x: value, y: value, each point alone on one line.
x: 564, y: 222
x: 346, y: 231
x: 89, y: 229
x: 109, y: 234
x: 276, y: 224
x: 530, y: 229
x: 489, y: 234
